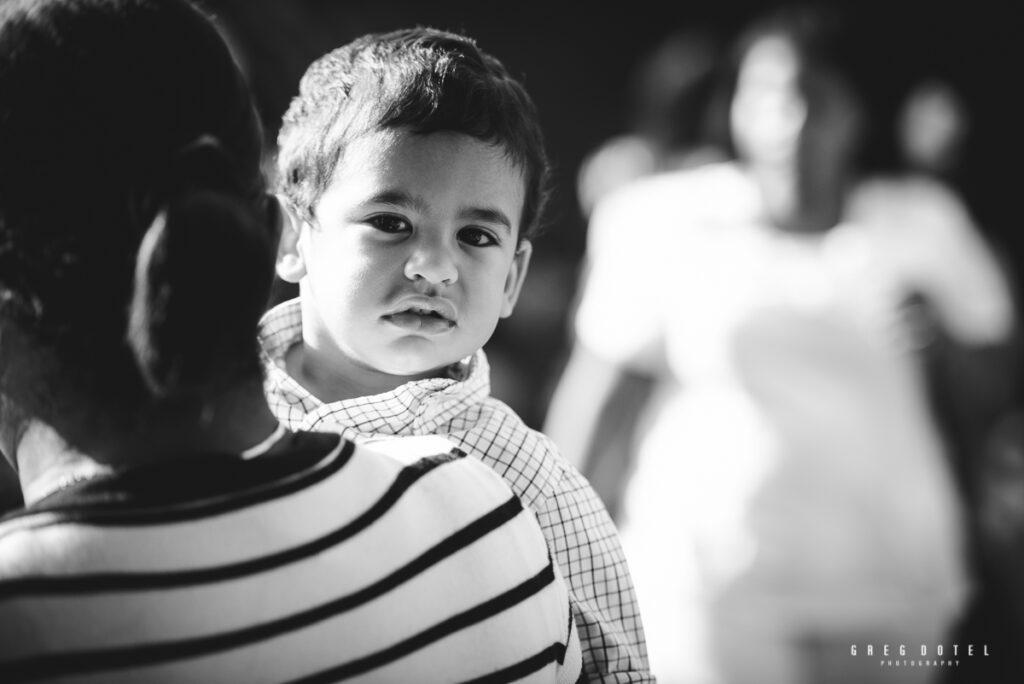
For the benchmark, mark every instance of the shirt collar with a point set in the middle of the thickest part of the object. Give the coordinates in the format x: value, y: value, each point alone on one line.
x: 415, y: 408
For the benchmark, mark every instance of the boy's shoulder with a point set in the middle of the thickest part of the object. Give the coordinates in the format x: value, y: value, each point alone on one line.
x: 526, y: 458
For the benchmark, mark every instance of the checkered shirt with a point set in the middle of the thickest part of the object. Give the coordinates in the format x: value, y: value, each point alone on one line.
x: 579, y: 532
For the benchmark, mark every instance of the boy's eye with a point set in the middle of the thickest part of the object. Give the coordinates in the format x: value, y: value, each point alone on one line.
x: 389, y: 223
x: 477, y: 237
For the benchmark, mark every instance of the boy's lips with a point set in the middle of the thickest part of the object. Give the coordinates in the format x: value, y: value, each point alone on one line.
x: 430, y: 315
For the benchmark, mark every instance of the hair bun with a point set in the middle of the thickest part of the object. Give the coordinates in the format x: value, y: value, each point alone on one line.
x: 202, y: 275
x: 202, y: 164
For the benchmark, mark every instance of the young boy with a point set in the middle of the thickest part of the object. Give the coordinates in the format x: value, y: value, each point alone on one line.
x: 413, y: 170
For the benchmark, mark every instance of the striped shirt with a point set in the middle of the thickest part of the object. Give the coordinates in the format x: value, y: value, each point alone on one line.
x: 323, y: 562
x: 579, y: 532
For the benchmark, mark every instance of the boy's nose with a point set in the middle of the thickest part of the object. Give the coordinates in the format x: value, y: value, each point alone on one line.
x: 433, y: 263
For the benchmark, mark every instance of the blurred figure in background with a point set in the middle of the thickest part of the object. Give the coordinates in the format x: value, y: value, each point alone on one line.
x: 669, y: 91
x: 973, y: 385
x: 931, y: 128
x: 970, y: 384
x: 790, y: 494
x: 976, y: 391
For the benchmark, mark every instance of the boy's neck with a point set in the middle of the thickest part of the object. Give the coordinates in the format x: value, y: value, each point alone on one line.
x: 333, y: 379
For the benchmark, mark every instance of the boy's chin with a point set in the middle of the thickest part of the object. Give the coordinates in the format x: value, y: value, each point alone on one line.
x: 417, y: 369
x: 415, y: 359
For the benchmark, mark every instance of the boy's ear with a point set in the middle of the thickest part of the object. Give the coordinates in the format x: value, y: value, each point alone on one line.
x: 516, y: 277
x: 291, y: 267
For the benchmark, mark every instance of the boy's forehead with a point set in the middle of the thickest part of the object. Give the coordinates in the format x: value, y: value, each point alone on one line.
x: 367, y: 150
x: 394, y: 154
x: 383, y: 145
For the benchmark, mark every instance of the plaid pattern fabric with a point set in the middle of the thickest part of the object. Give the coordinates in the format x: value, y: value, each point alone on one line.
x: 580, y: 534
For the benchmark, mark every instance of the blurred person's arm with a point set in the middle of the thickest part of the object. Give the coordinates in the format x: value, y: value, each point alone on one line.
x: 618, y: 330
x: 967, y: 283
x: 949, y: 261
x: 972, y: 358
x: 961, y: 308
x: 593, y: 417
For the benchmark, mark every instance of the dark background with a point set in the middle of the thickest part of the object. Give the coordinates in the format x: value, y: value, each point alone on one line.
x: 575, y: 60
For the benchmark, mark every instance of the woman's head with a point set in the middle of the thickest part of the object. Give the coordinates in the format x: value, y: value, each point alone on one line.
x: 793, y: 93
x: 124, y: 124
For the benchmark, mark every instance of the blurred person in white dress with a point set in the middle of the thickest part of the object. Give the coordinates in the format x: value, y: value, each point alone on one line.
x: 789, y: 496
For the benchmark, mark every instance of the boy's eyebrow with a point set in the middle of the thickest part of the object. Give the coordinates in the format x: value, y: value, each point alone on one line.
x: 486, y: 215
x: 401, y: 198
x: 398, y: 198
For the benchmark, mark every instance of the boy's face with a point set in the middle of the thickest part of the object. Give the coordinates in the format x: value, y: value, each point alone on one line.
x: 415, y: 255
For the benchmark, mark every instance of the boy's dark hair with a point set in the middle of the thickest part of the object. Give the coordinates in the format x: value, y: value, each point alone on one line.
x: 133, y: 264
x: 421, y: 78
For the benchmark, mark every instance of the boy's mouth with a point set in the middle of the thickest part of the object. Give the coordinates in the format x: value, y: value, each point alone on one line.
x: 427, y: 319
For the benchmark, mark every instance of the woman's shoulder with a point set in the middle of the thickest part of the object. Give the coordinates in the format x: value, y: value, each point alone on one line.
x: 672, y: 205
x: 700, y: 186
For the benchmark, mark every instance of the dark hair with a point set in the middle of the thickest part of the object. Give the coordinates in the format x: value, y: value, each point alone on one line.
x: 671, y: 87
x: 421, y: 78
x: 125, y: 123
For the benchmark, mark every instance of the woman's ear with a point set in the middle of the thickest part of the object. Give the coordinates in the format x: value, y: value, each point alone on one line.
x: 516, y: 277
x: 291, y: 267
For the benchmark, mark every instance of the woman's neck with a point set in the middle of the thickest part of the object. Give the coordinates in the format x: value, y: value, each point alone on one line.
x: 47, y: 464
x: 801, y: 203
x: 238, y: 420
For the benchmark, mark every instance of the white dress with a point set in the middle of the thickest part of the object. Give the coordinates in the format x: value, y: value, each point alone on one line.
x: 791, y: 488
